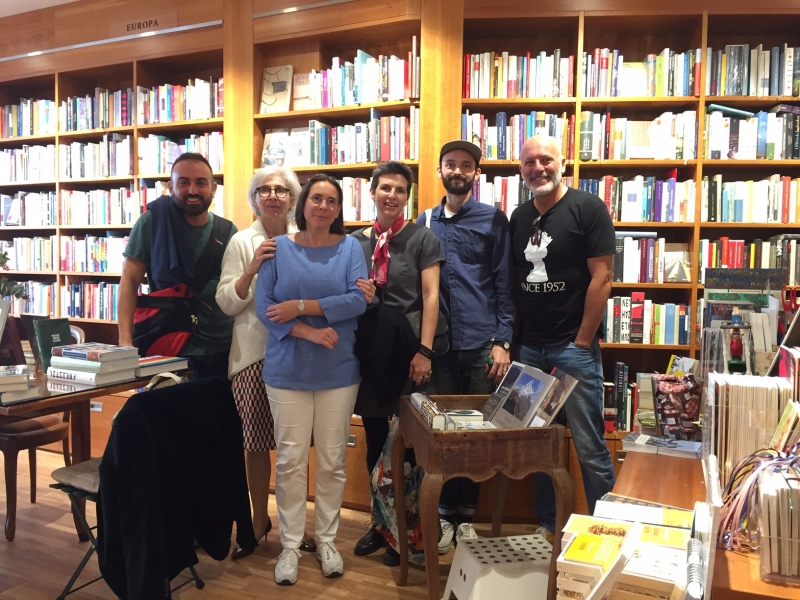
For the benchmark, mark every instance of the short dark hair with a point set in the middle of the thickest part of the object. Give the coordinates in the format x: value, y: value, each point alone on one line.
x: 391, y: 167
x: 192, y: 156
x: 337, y: 226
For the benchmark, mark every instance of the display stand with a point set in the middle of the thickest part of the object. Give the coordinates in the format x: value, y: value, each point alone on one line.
x: 479, y: 456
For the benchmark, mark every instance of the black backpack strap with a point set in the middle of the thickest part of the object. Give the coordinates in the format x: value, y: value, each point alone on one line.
x: 209, y: 263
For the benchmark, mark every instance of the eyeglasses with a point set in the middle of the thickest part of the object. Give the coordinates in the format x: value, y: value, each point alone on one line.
x: 317, y: 200
x: 536, y: 236
x: 265, y: 191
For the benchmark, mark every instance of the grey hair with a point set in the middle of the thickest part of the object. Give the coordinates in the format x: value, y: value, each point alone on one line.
x: 264, y: 173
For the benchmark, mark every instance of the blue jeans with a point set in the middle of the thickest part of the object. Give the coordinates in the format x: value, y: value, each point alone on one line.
x: 584, y: 412
x: 461, y: 372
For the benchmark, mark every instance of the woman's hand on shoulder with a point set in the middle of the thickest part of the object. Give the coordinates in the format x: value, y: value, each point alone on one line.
x: 264, y: 251
x: 326, y: 336
x: 367, y: 287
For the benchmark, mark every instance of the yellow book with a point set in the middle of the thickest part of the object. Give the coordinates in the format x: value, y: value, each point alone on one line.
x: 673, y: 537
x: 723, y: 86
x: 600, y: 550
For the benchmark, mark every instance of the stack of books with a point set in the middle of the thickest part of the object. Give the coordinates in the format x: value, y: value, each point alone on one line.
x: 15, y: 385
x: 638, y: 442
x: 93, y: 363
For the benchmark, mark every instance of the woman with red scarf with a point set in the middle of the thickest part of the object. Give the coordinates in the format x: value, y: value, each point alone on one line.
x: 405, y: 260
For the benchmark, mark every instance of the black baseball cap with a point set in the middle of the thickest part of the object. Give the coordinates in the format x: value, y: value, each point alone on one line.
x: 474, y: 150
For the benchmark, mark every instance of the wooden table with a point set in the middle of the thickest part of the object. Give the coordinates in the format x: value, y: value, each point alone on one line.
x: 477, y: 455
x: 679, y: 482
x: 75, y: 400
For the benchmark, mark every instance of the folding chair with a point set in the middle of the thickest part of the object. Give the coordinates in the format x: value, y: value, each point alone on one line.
x: 83, y: 481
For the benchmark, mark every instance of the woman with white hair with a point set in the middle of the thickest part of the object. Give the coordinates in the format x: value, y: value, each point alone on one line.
x: 272, y: 195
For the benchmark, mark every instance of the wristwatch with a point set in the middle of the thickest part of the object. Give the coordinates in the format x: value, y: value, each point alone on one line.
x: 301, y: 307
x: 502, y: 343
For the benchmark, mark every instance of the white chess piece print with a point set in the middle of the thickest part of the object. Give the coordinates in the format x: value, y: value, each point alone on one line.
x: 535, y: 255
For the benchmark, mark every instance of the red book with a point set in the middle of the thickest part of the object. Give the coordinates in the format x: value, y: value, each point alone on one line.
x: 504, y: 195
x: 571, y: 82
x: 571, y: 133
x: 637, y: 317
x: 608, y: 181
x: 787, y: 182
x: 386, y: 140
x: 697, y: 65
x: 739, y: 250
x: 724, y: 256
x: 466, y: 81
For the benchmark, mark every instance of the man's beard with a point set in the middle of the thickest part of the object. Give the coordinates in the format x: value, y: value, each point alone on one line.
x: 547, y: 188
x: 193, y: 210
x: 458, y: 187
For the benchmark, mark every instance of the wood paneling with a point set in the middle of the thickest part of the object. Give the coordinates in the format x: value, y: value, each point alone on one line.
x: 440, y: 90
x: 239, y: 131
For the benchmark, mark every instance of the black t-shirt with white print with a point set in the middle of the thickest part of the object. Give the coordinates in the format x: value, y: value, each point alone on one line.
x: 552, y: 275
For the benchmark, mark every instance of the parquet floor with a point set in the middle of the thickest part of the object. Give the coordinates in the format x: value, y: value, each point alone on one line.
x: 38, y: 563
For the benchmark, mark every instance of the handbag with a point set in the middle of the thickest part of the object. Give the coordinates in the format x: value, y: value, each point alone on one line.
x: 440, y: 341
x: 165, y: 319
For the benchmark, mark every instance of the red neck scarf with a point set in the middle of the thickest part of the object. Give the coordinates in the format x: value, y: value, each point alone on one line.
x: 380, y: 256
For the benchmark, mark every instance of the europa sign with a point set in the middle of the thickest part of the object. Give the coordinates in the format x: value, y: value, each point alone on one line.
x: 144, y: 23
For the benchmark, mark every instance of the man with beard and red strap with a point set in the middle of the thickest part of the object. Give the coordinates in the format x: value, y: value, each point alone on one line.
x: 166, y: 241
x: 475, y: 295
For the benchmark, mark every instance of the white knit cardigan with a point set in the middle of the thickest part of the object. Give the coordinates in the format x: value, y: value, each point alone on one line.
x: 249, y: 343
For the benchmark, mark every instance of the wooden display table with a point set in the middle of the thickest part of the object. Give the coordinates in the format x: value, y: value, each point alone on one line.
x: 477, y: 455
x: 679, y: 482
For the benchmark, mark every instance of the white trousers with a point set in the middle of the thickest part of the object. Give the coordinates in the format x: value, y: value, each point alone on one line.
x: 298, y: 413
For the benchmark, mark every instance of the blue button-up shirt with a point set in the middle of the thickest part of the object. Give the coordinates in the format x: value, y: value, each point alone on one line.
x: 475, y: 286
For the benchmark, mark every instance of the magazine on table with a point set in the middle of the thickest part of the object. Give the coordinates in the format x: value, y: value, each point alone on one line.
x: 550, y: 407
x: 527, y: 394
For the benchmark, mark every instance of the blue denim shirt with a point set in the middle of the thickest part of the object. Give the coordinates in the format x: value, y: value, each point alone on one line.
x: 475, y: 282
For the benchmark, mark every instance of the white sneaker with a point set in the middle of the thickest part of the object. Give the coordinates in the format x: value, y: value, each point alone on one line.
x: 446, y: 537
x: 286, y: 569
x: 548, y: 535
x: 330, y: 560
x: 465, y: 531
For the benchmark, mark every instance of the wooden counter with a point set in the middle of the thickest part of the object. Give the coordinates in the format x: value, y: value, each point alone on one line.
x: 679, y: 482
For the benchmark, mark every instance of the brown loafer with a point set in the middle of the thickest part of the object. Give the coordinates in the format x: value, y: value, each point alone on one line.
x: 239, y: 552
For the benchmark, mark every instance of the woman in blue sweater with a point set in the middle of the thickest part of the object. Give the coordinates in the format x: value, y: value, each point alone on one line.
x: 309, y: 300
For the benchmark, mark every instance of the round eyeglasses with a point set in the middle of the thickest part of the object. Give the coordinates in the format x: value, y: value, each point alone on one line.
x: 265, y: 191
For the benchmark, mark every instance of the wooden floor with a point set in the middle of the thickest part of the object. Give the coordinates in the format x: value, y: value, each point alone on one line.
x: 38, y: 563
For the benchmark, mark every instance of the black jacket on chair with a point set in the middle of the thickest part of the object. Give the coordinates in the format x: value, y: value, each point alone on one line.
x: 172, y: 473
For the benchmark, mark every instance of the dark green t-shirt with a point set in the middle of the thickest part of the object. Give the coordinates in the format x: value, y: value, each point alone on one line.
x: 214, y: 327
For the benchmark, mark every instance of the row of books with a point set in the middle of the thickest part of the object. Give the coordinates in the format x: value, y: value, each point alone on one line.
x: 667, y: 137
x: 504, y: 193
x: 198, y: 99
x: 364, y: 80
x: 504, y: 75
x: 41, y: 299
x: 620, y: 401
x: 642, y: 257
x: 28, y: 209
x: 92, y: 254
x: 725, y: 253
x: 381, y: 138
x: 634, y: 320
x: 645, y: 199
x: 158, y: 152
x: 90, y: 300
x: 605, y: 73
x: 29, y: 117
x: 740, y: 70
x: 504, y: 139
x: 104, y: 109
x: 773, y: 135
x: 770, y: 200
x: 110, y: 157
x: 117, y: 206
x: 31, y: 254
x: 28, y: 164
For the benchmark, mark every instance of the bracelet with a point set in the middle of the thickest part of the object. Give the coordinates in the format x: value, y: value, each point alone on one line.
x: 425, y: 351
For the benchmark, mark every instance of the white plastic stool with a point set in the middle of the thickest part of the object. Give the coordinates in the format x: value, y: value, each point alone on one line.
x: 503, y: 567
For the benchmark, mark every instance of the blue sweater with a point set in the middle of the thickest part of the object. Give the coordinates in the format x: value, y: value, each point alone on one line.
x: 327, y: 274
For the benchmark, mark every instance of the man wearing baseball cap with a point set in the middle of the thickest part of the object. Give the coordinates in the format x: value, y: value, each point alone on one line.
x: 475, y: 297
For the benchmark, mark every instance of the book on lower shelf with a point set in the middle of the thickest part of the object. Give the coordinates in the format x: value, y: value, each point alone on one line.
x: 636, y: 320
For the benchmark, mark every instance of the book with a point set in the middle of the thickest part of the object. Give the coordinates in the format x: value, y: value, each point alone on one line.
x: 10, y: 397
x: 93, y: 366
x: 89, y: 378
x: 276, y: 147
x: 14, y: 387
x: 475, y: 425
x: 276, y: 89
x: 556, y: 398
x: 301, y: 92
x: 51, y: 333
x: 678, y: 266
x: 465, y: 414
x: 526, y: 395
x: 96, y: 351
x: 426, y: 406
x: 503, y: 390
x: 153, y: 365
x: 13, y: 374
x: 652, y: 513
